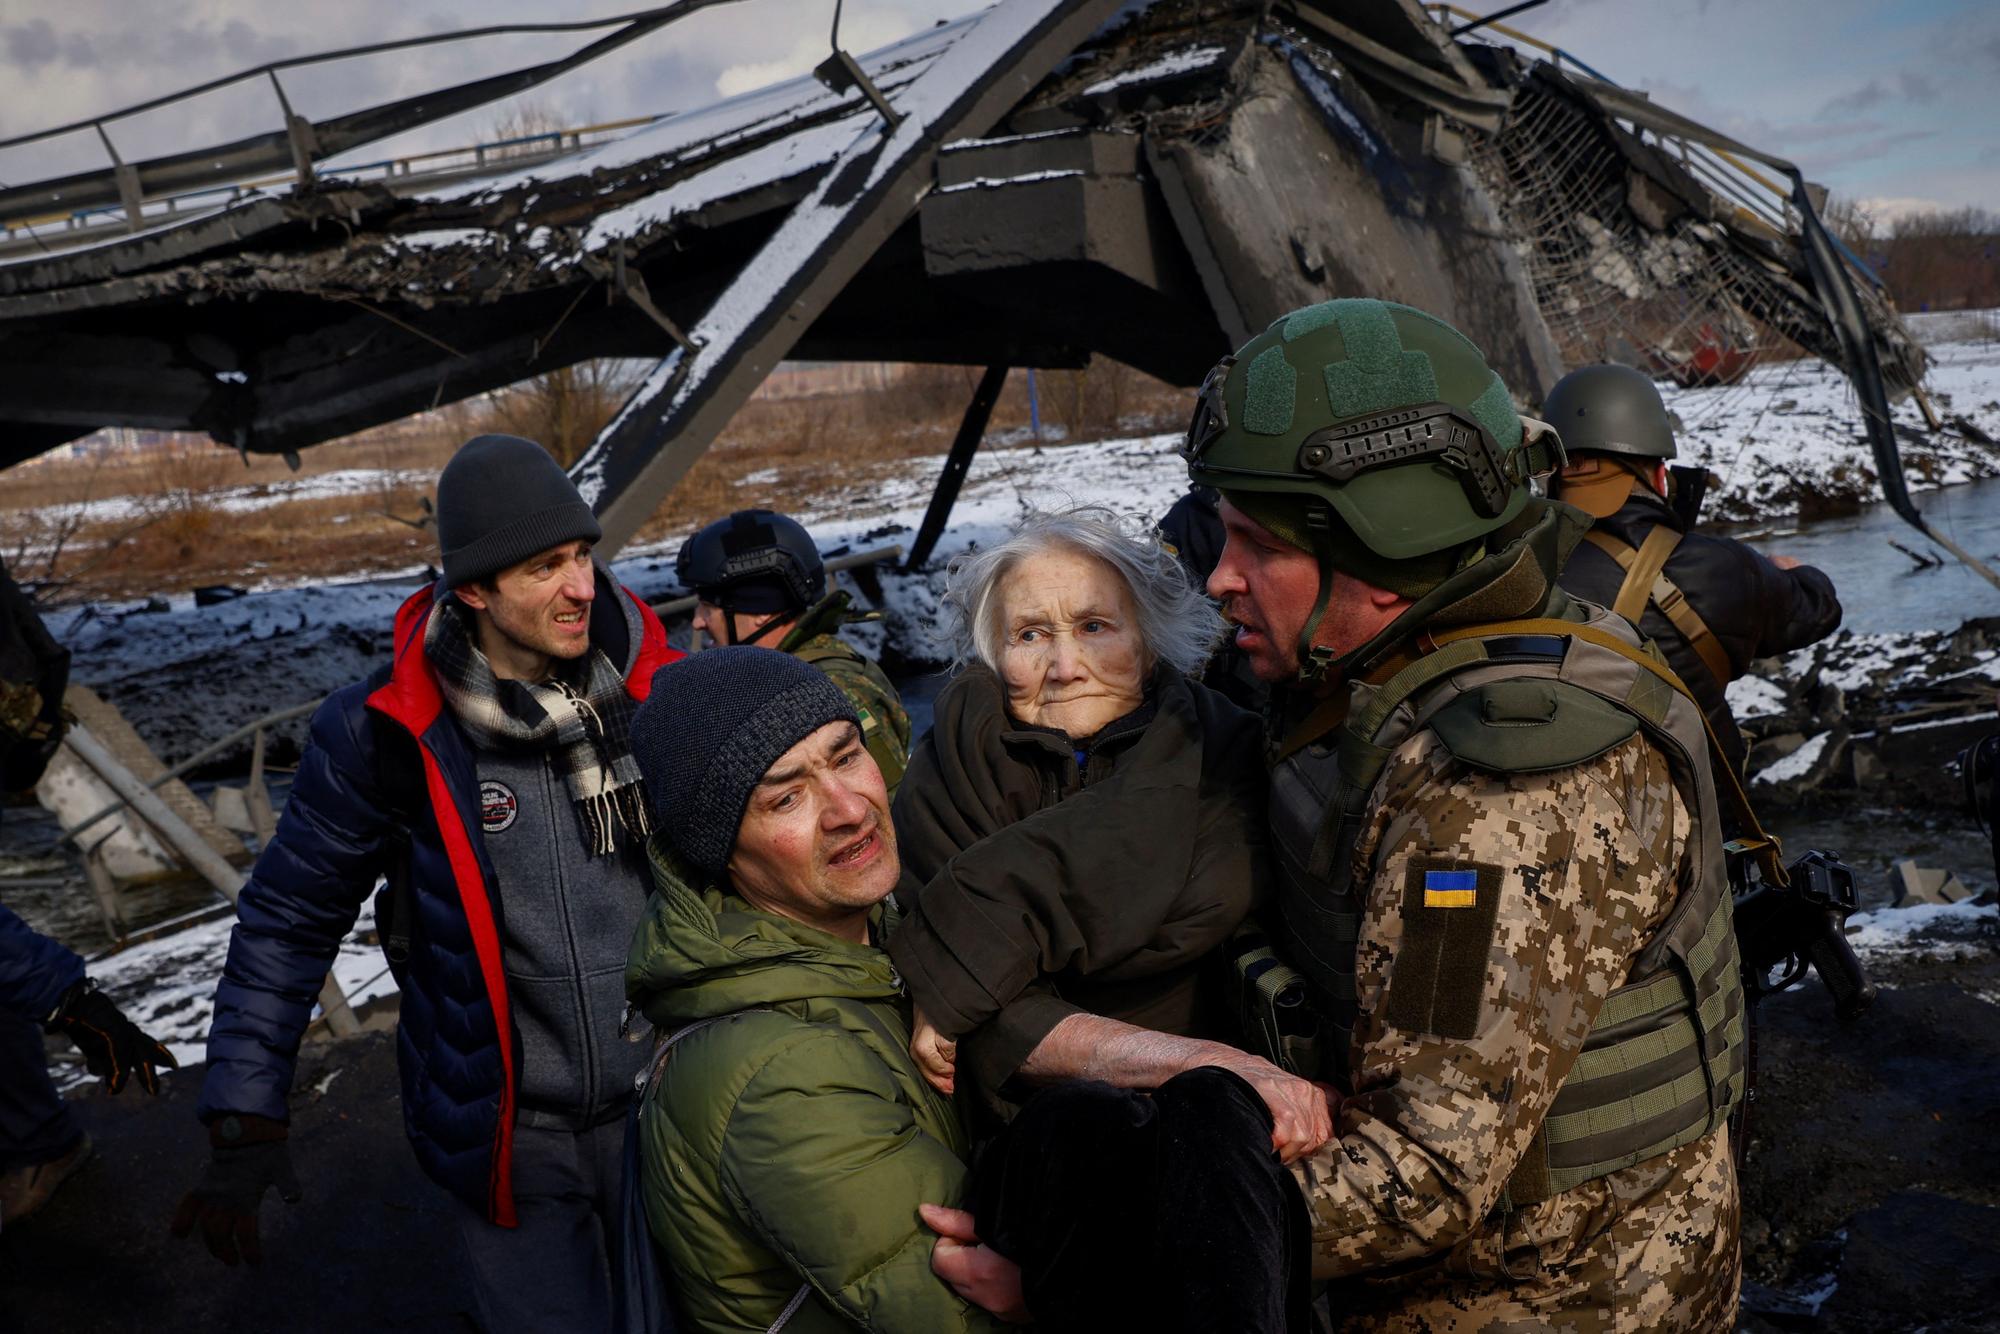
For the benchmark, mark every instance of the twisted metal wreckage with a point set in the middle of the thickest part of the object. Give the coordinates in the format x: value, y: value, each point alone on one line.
x: 1029, y: 186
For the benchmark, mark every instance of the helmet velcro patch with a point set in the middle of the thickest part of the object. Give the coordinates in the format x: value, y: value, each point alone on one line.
x: 1378, y: 373
x: 1494, y: 409
x: 1270, y: 392
x: 1302, y: 322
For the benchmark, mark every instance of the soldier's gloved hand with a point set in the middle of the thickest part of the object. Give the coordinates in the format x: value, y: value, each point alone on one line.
x: 114, y: 1049
x: 250, y: 1157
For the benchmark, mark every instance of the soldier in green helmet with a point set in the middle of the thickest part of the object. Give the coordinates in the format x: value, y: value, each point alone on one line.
x: 1503, y: 943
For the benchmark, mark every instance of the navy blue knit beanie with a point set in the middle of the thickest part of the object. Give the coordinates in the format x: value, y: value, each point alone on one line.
x: 500, y: 500
x: 712, y: 727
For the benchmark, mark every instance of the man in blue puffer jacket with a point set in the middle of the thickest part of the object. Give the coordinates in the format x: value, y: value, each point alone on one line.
x: 487, y: 773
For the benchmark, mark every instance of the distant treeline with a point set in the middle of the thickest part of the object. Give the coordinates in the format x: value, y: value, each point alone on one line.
x: 1930, y: 261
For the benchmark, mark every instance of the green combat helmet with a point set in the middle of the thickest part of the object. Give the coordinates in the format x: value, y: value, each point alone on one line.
x: 1388, y: 424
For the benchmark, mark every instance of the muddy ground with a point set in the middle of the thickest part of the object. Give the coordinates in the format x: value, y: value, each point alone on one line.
x: 1872, y: 1189
x: 1871, y: 1181
x: 368, y: 1248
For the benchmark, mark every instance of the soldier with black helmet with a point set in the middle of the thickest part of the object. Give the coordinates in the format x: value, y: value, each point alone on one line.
x: 1711, y: 603
x: 758, y: 579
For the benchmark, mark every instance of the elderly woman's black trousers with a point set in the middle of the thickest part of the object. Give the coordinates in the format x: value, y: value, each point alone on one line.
x: 1167, y: 1211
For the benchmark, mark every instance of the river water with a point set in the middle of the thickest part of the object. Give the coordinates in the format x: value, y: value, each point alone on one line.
x: 1883, y: 590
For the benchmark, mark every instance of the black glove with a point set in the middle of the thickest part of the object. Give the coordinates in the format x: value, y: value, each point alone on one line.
x: 250, y: 1157
x: 113, y: 1047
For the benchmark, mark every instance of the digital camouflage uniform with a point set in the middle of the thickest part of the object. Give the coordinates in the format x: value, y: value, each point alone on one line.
x: 1441, y: 1110
x: 1502, y: 899
x: 885, y: 727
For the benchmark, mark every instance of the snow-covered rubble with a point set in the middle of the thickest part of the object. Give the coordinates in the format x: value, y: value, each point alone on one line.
x: 167, y: 986
x: 1797, y: 764
x: 1837, y: 709
x: 1925, y: 931
x: 1789, y: 436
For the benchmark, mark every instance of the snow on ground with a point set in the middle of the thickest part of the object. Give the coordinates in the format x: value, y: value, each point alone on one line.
x: 167, y: 986
x: 1924, y: 931
x: 1797, y: 764
x: 1793, y: 428
x: 244, y: 499
x: 1754, y: 697
x: 1855, y: 662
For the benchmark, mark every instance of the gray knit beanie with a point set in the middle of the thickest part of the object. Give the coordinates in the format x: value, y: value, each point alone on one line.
x: 500, y: 500
x: 712, y: 726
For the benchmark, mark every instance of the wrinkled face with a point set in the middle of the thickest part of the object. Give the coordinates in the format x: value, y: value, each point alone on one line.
x: 1071, y: 656
x: 535, y: 611
x: 816, y: 844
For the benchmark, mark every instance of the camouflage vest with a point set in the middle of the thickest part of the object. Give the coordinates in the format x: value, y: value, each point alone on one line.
x: 1665, y: 1062
x: 861, y: 680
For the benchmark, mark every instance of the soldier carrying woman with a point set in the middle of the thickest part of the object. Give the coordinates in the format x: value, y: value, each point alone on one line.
x: 1514, y: 1034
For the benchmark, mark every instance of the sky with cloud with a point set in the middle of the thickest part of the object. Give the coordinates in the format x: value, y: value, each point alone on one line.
x: 1889, y: 102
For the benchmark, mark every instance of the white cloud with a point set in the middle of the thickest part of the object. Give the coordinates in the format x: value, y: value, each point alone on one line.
x: 1888, y: 208
x: 859, y: 32
x: 66, y: 60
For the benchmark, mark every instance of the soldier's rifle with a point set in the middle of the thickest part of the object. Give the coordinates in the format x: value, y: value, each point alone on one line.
x: 1785, y: 929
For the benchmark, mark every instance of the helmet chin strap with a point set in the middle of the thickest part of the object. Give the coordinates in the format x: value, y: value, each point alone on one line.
x: 777, y: 621
x: 1315, y: 660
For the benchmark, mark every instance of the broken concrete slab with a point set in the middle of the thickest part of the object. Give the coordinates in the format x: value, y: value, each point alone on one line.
x: 232, y: 810
x: 1911, y: 884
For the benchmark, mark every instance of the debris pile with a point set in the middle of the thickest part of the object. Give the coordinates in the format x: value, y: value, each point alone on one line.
x: 1885, y: 713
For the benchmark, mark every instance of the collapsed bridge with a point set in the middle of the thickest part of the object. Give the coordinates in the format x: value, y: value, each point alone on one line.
x: 1042, y: 182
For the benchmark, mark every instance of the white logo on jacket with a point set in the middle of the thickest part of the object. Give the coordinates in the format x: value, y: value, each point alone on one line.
x: 498, y: 807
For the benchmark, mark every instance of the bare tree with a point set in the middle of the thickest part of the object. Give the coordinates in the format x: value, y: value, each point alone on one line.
x: 1946, y: 260
x: 563, y: 409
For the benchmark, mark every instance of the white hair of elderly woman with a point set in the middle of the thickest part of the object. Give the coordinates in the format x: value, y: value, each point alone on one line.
x: 1176, y: 623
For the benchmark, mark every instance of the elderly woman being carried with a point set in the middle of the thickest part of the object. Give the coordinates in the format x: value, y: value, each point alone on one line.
x: 1083, y: 826
x: 1083, y: 831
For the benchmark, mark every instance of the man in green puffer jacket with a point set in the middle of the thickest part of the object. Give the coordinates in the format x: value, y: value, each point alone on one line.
x: 788, y: 1137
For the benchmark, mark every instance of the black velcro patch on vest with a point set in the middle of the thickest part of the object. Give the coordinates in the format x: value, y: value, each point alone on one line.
x: 1439, y: 980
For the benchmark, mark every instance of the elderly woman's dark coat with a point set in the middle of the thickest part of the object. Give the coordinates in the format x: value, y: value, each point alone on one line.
x: 1043, y: 877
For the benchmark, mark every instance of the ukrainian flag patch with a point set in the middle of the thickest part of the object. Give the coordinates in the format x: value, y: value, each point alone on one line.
x: 1451, y: 889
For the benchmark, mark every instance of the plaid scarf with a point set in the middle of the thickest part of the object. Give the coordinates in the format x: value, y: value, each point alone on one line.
x: 588, y: 729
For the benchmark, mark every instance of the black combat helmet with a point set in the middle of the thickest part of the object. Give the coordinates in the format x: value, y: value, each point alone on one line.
x: 1611, y: 410
x: 755, y: 561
